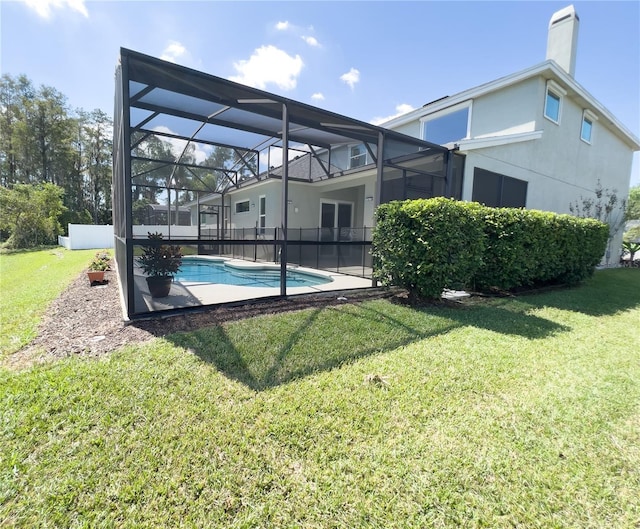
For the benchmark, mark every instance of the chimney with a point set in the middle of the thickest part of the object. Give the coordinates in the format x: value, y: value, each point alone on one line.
x: 562, y: 42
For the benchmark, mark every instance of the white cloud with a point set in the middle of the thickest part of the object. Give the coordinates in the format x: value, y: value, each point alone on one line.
x: 269, y: 65
x: 44, y: 7
x: 400, y: 109
x: 311, y: 41
x: 351, y: 77
x: 282, y: 26
x: 173, y: 51
x: 318, y: 96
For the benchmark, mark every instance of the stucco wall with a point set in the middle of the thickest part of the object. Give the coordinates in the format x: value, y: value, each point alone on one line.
x: 513, y: 110
x: 304, y: 201
x: 559, y: 166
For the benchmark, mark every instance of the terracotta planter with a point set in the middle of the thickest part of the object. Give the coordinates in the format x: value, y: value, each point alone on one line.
x: 95, y: 276
x: 159, y: 286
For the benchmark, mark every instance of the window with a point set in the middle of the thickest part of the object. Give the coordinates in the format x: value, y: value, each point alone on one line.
x: 585, y: 132
x: 586, y: 129
x: 447, y: 126
x: 242, y: 207
x: 553, y: 102
x: 498, y: 191
x: 357, y: 156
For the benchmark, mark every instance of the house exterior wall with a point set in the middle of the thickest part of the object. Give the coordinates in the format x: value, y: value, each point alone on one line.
x: 522, y: 143
x: 510, y: 111
x: 559, y: 166
x: 410, y: 129
x: 304, y: 202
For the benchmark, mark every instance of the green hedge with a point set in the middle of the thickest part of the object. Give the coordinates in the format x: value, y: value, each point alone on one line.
x: 527, y: 247
x: 428, y: 245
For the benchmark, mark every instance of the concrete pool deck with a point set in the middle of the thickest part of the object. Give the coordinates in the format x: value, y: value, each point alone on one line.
x: 193, y: 294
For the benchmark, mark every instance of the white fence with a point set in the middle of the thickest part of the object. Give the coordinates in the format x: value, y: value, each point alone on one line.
x: 87, y: 237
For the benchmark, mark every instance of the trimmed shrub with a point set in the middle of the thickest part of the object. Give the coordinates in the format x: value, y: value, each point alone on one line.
x: 528, y: 247
x: 426, y: 245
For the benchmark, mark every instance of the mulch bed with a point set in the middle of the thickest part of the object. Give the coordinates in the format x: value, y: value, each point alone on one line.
x: 88, y: 320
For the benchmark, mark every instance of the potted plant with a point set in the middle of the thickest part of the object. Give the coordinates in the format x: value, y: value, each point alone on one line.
x: 97, y: 267
x: 160, y: 262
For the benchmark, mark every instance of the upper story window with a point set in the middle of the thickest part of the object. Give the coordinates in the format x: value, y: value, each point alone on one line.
x: 585, y: 132
x: 586, y: 129
x: 242, y: 206
x: 447, y: 126
x: 357, y: 156
x: 553, y: 102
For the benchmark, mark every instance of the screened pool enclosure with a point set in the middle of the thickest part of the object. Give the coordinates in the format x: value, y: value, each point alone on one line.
x: 252, y: 180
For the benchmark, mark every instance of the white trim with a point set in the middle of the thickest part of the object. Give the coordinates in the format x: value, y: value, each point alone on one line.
x: 555, y: 87
x: 494, y: 141
x: 590, y: 115
x: 351, y: 157
x: 586, y: 116
x: 551, y: 89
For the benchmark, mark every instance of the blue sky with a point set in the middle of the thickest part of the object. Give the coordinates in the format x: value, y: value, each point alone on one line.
x: 367, y: 60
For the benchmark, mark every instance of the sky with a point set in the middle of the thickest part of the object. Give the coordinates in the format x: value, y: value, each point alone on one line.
x: 367, y: 60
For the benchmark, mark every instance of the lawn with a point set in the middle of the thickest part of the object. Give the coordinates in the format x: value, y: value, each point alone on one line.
x: 29, y: 281
x: 521, y: 412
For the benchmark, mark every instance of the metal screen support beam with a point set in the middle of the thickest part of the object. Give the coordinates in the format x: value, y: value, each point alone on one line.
x: 128, y: 192
x: 285, y: 200
x: 448, y: 182
x: 378, y: 193
x: 379, y: 169
x: 314, y: 154
x: 370, y: 151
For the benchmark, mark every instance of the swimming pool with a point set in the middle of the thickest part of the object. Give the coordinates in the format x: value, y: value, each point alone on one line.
x: 198, y: 270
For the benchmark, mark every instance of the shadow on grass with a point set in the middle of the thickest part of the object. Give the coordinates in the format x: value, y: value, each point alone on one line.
x: 606, y: 293
x: 268, y: 351
x: 506, y: 317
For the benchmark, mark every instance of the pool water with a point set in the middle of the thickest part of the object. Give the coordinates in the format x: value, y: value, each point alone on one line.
x: 200, y: 271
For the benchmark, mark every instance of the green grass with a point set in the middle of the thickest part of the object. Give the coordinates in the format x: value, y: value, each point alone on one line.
x: 507, y: 413
x: 29, y: 281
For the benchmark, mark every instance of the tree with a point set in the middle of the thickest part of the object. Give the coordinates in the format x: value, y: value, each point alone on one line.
x: 150, y: 167
x: 30, y: 214
x: 633, y: 204
x: 97, y: 135
x: 42, y: 140
x: 13, y: 92
x: 606, y: 207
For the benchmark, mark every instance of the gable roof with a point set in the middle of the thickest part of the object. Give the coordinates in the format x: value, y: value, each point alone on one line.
x: 549, y: 70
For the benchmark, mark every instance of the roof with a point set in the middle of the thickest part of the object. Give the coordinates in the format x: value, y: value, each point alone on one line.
x: 548, y: 70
